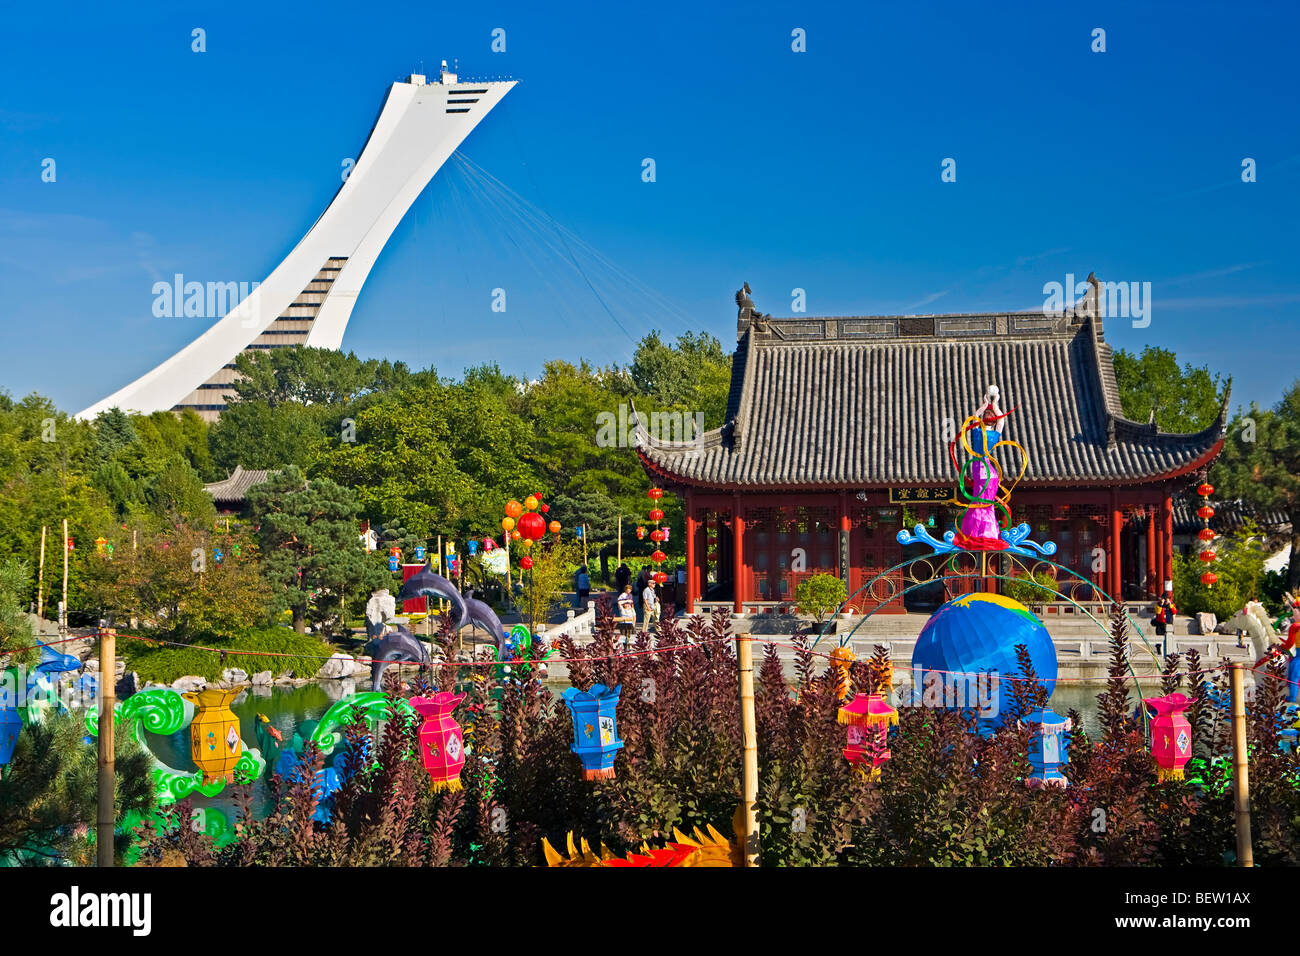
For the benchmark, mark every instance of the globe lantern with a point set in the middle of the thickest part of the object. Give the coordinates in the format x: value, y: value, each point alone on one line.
x: 554, y: 527
x: 507, y: 524
x: 214, y: 734
x: 532, y: 526
x: 868, y: 717
x: 1048, y: 747
x: 515, y: 535
x: 656, y: 514
x: 543, y: 508
x: 514, y: 509
x: 531, y: 503
x: 526, y: 562
x: 1171, y: 734
x: 595, y: 729
x: 442, y: 747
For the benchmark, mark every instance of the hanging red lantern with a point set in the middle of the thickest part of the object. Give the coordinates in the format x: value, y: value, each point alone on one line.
x: 640, y: 532
x: 655, y: 493
x: 1205, y: 511
x: 532, y: 526
x: 656, y: 514
x: 658, y: 557
x: 526, y: 563
x: 661, y: 577
x: 1207, y: 555
x: 1205, y: 534
x: 1209, y: 579
x: 554, y: 527
x: 1205, y: 490
x: 656, y: 535
x: 544, y: 508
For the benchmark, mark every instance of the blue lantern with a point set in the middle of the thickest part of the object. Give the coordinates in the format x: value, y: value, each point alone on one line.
x: 1048, y: 747
x: 581, y: 528
x: 419, y: 553
x: 472, y: 544
x: 10, y: 724
x: 595, y: 729
x: 392, y: 562
x: 217, y: 555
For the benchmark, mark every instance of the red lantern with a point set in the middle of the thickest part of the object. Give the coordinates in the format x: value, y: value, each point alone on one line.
x: 1209, y: 579
x: 656, y: 535
x: 660, y: 577
x: 544, y: 508
x: 655, y: 493
x: 1205, y: 534
x: 442, y: 748
x: 658, y: 557
x: 656, y: 514
x: 1205, y: 511
x: 526, y: 563
x: 1171, y: 734
x: 554, y: 527
x: 640, y: 532
x: 513, y: 508
x: 532, y: 526
x: 1207, y: 555
x: 1205, y: 490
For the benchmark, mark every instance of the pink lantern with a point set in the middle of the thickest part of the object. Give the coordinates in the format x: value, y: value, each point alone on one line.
x: 868, y: 717
x: 1171, y: 734
x: 442, y: 747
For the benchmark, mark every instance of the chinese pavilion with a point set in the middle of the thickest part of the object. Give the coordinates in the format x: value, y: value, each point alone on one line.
x: 836, y: 437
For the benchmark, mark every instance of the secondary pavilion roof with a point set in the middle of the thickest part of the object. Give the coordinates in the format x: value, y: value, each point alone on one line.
x: 233, y: 489
x: 871, y: 401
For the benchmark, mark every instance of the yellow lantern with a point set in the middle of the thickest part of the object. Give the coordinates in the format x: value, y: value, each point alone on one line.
x: 214, y: 734
x: 507, y: 524
x: 530, y: 503
x: 528, y: 543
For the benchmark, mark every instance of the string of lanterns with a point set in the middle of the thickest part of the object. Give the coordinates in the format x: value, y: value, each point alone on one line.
x: 659, y: 535
x: 1207, y: 555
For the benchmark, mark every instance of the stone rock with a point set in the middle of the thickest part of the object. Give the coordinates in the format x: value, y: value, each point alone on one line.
x: 128, y: 685
x: 92, y: 665
x: 359, y: 669
x: 1206, y: 622
x: 262, y: 678
x: 339, y: 665
x: 189, y: 684
x: 285, y: 678
x: 235, y: 675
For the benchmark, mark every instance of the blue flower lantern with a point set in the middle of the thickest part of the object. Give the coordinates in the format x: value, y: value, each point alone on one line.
x: 392, y: 562
x: 419, y: 553
x: 595, y: 729
x: 1048, y: 747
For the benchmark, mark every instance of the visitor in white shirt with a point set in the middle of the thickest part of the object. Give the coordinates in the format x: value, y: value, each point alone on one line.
x: 650, y: 601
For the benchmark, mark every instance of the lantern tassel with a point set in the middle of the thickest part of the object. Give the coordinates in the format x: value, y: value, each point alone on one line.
x: 446, y: 786
x: 1169, y: 773
x: 600, y: 773
x: 865, y: 720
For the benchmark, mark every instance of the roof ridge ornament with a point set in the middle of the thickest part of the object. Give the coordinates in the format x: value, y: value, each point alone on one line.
x: 747, y: 316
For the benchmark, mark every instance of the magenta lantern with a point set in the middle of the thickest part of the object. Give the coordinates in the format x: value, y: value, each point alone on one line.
x: 1171, y: 734
x: 442, y: 747
x: 868, y: 717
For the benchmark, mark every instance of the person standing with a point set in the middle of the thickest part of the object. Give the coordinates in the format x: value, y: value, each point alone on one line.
x: 626, y: 613
x: 622, y: 577
x: 650, y: 601
x: 583, y: 582
x: 642, y: 580
x: 1164, y: 619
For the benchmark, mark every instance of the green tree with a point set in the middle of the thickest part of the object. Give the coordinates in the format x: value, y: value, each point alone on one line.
x: 692, y: 375
x: 1260, y: 464
x: 15, y: 626
x: 313, y: 376
x: 258, y: 434
x: 177, y: 496
x: 819, y: 595
x: 1184, y: 399
x: 308, y: 533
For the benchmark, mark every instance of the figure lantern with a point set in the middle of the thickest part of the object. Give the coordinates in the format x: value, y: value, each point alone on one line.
x: 554, y: 527
x: 217, y: 555
x: 1048, y: 747
x: 442, y: 746
x: 532, y: 526
x: 841, y: 661
x: 868, y: 717
x: 664, y: 529
x: 1171, y: 734
x: 640, y: 532
x: 10, y: 724
x: 595, y: 729
x: 101, y: 544
x: 420, y: 552
x: 472, y: 544
x: 214, y: 734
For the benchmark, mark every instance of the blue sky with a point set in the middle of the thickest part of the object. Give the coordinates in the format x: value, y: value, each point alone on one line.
x: 817, y: 170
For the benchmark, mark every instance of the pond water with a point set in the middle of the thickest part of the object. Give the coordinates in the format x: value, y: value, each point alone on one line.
x: 289, y: 706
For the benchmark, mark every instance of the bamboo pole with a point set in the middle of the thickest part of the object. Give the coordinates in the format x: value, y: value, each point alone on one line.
x: 1241, y: 772
x: 107, y: 700
x: 749, y: 744
x: 63, y: 608
x: 619, y: 562
x: 40, y: 579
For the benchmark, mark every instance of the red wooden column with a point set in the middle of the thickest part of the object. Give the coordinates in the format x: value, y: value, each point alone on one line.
x: 1167, y: 559
x: 1153, y: 560
x: 1116, y: 569
x: 692, y: 572
x: 737, y: 556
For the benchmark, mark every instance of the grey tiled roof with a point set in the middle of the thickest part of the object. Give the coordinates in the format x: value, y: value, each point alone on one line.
x: 1228, y: 516
x: 234, y: 488
x: 865, y: 401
